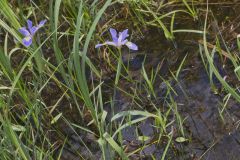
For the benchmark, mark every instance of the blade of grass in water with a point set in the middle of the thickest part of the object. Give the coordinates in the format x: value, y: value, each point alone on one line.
x: 214, y: 69
x: 168, y: 144
x: 167, y: 34
x: 115, y: 146
x: 191, y: 10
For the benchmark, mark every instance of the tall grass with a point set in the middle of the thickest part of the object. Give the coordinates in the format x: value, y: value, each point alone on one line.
x: 77, y: 57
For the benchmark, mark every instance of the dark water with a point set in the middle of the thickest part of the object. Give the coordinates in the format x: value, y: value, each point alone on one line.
x: 209, y: 137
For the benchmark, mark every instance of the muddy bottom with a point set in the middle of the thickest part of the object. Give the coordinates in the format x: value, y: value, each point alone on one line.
x: 212, y: 138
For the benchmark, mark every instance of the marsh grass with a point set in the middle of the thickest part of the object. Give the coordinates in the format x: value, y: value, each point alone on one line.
x: 63, y: 55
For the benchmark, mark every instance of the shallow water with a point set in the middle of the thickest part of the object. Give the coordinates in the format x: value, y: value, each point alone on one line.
x: 210, y: 138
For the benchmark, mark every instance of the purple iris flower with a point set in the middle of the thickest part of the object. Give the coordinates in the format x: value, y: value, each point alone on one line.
x: 30, y: 31
x: 119, y: 40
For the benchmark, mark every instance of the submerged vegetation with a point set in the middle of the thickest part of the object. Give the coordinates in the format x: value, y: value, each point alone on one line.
x: 165, y: 88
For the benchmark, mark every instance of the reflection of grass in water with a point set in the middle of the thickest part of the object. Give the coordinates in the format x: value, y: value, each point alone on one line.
x: 30, y: 125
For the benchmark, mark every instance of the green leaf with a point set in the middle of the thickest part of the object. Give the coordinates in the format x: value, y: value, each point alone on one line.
x: 181, y: 139
x: 114, y: 145
x: 18, y: 128
x: 143, y: 138
x: 56, y: 118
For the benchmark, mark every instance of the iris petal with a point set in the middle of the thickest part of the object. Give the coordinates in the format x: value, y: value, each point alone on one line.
x: 27, y: 41
x: 124, y: 42
x: 33, y: 30
x: 120, y: 39
x: 132, y: 46
x: 24, y: 31
x: 29, y: 24
x: 124, y: 34
x: 99, y: 45
x: 111, y: 43
x: 114, y: 35
x: 41, y: 23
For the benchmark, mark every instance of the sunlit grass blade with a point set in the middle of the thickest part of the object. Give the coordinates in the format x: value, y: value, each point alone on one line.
x: 191, y: 10
x: 115, y: 146
x: 9, y: 14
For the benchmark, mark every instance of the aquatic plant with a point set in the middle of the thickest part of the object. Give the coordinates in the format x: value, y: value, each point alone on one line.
x: 29, y: 32
x: 119, y: 40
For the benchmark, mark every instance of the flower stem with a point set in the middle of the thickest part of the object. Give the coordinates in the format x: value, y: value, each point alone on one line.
x: 119, y: 67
